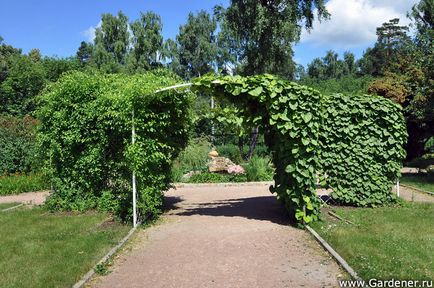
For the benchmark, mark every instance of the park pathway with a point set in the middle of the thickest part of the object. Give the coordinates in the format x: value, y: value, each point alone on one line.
x: 220, y: 236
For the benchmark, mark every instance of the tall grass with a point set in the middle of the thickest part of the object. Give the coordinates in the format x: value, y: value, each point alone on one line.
x: 20, y: 183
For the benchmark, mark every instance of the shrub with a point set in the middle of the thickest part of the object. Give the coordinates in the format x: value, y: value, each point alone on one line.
x: 207, y: 177
x: 20, y: 183
x: 259, y: 169
x: 17, y: 144
x: 429, y: 145
x: 85, y: 137
x: 195, y: 156
x: 230, y: 151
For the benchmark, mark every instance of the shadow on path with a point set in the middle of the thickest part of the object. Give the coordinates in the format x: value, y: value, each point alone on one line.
x: 264, y: 208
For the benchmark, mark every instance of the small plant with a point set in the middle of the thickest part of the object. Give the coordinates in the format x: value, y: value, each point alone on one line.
x: 259, y: 169
x: 195, y: 156
x: 230, y: 151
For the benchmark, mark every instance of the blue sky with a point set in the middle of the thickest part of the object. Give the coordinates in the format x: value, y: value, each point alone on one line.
x: 58, y: 27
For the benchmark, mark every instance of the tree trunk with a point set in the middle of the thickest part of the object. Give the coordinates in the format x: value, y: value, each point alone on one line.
x: 253, y: 140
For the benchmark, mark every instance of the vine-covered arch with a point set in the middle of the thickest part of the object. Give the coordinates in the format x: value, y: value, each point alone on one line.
x: 85, y: 136
x: 354, y: 144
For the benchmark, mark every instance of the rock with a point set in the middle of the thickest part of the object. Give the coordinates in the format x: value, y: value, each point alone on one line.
x: 213, y: 154
x: 219, y: 164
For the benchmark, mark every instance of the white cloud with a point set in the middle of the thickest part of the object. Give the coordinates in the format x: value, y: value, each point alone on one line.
x: 89, y: 33
x: 353, y: 23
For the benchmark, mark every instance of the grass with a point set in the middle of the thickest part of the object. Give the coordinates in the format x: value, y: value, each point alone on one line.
x: 421, y: 181
x: 387, y: 242
x: 42, y: 249
x: 7, y: 205
x: 20, y: 183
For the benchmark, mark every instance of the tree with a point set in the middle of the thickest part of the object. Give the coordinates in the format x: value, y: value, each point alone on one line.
x: 147, y: 42
x: 259, y: 35
x: 391, y: 46
x: 316, y: 69
x: 196, y: 45
x: 261, y: 32
x: 350, y: 63
x: 24, y: 81
x: 84, y: 53
x: 111, y: 42
x: 6, y: 51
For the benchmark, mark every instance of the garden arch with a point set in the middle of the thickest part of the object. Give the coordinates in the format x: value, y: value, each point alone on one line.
x: 85, y: 132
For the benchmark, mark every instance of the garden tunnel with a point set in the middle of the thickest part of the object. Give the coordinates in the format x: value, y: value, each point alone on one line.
x: 356, y: 142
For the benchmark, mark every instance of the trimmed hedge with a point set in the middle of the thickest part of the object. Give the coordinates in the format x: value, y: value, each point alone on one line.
x: 85, y: 132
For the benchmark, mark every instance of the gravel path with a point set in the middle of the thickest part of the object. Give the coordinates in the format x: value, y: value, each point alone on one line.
x: 32, y: 198
x: 409, y: 194
x: 223, y: 237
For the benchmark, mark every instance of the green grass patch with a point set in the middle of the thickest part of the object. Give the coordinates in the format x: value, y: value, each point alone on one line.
x: 387, y: 242
x: 7, y: 205
x: 20, y: 183
x: 42, y: 249
x: 421, y: 181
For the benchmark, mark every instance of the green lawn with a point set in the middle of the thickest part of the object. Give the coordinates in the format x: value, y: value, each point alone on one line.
x: 421, y: 181
x: 7, y: 205
x: 20, y: 183
x: 41, y: 249
x: 387, y: 242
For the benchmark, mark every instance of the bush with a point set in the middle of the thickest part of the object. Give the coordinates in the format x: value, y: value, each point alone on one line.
x: 207, y: 177
x: 85, y: 134
x: 429, y: 145
x: 230, y: 151
x: 195, y: 156
x: 259, y: 169
x: 17, y: 144
x: 20, y: 183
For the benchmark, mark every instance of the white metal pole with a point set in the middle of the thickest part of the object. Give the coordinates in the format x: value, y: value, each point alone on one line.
x: 133, y: 140
x: 397, y: 187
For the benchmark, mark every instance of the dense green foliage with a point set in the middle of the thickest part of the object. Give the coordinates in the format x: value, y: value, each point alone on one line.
x: 85, y: 132
x: 21, y: 183
x: 207, y: 177
x: 17, y: 144
x: 362, y: 141
x: 356, y: 141
x: 259, y: 34
x: 290, y: 116
x: 259, y: 169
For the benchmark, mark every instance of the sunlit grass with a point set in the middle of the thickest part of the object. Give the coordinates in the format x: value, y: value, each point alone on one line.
x: 387, y: 242
x: 42, y: 249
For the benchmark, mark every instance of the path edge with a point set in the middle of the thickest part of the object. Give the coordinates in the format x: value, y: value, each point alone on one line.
x: 416, y: 189
x: 225, y: 184
x: 106, y: 257
x: 338, y: 258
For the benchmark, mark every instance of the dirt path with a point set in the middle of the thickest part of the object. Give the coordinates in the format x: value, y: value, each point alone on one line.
x: 223, y: 237
x: 32, y: 198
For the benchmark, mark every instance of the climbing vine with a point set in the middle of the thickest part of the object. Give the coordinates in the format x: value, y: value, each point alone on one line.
x: 290, y: 117
x: 85, y: 136
x: 362, y: 140
x: 355, y: 144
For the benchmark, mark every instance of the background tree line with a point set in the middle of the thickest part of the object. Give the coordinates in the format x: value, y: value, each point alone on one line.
x: 246, y: 38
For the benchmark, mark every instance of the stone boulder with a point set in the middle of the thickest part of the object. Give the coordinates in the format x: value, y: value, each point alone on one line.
x: 219, y: 164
